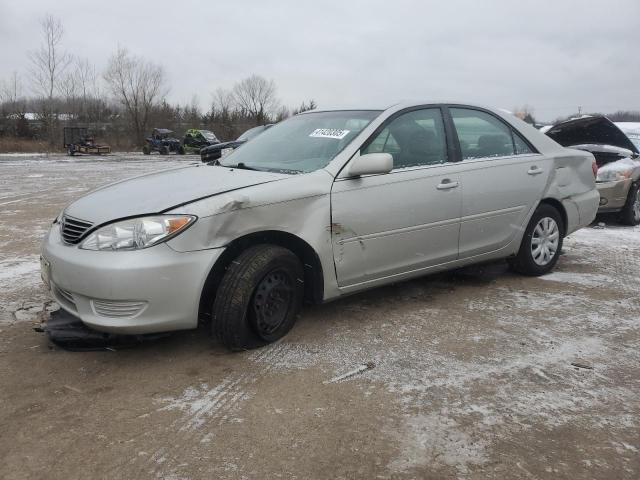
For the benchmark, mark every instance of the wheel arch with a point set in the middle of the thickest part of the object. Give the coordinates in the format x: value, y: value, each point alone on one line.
x: 313, y: 274
x: 557, y: 204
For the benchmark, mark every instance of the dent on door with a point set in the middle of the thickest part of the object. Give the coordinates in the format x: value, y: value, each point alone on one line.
x: 391, y: 224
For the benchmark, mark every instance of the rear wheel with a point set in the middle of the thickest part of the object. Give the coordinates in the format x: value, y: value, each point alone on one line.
x: 146, y: 150
x: 181, y: 150
x: 541, y: 244
x: 258, y: 298
x: 164, y: 150
x: 630, y: 214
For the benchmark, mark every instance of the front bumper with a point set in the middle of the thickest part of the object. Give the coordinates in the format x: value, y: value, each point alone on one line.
x: 143, y: 291
x: 613, y: 195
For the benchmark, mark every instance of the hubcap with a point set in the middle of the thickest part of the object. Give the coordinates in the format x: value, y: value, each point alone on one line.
x: 544, y: 241
x: 271, y: 302
x: 636, y: 206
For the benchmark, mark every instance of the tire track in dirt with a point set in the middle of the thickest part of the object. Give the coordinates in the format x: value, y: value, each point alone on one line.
x: 205, y: 409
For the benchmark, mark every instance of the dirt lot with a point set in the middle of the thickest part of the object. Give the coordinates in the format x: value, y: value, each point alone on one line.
x: 465, y: 375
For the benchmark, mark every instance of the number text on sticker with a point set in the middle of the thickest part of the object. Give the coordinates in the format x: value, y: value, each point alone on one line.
x: 329, y: 133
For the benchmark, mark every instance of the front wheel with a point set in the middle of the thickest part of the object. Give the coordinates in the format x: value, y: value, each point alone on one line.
x: 630, y: 214
x: 258, y: 298
x: 541, y: 244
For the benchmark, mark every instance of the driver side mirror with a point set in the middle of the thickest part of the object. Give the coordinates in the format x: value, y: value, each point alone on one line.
x: 370, y: 164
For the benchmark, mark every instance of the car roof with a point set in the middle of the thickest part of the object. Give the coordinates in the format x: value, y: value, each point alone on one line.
x: 400, y: 105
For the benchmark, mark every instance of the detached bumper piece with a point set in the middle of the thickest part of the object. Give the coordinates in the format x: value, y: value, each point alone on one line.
x: 68, y: 332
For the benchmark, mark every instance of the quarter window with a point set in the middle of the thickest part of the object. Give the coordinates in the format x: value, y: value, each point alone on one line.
x: 413, y: 139
x: 482, y: 135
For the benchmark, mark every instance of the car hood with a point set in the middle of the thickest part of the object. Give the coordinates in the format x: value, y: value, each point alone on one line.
x: 164, y: 190
x: 596, y: 130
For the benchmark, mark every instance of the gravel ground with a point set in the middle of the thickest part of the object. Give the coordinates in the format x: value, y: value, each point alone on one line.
x: 462, y: 375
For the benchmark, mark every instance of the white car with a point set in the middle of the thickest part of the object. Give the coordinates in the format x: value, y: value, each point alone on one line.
x: 324, y: 204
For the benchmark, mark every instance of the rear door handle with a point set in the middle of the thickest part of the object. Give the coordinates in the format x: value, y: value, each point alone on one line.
x: 447, y: 184
x: 534, y: 171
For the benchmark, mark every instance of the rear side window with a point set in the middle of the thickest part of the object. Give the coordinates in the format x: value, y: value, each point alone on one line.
x: 482, y: 135
x: 413, y: 139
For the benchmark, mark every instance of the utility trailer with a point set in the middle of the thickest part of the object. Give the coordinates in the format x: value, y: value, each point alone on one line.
x: 78, y: 140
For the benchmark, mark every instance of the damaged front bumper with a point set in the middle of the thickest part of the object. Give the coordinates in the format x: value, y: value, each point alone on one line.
x: 132, y: 292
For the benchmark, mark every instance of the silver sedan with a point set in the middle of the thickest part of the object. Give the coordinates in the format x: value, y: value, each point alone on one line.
x: 324, y: 204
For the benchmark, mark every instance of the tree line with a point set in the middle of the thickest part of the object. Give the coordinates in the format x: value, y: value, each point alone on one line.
x: 125, y: 101
x: 122, y: 103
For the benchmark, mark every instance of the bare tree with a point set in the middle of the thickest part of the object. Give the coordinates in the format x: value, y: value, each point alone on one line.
x: 68, y: 90
x: 256, y: 96
x: 282, y: 114
x: 11, y: 91
x: 223, y: 101
x: 305, y: 107
x: 13, y: 106
x: 86, y: 82
x: 139, y: 85
x: 48, y: 63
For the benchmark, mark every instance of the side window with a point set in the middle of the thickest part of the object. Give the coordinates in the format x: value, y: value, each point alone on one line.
x: 413, y: 139
x: 521, y: 146
x: 482, y: 135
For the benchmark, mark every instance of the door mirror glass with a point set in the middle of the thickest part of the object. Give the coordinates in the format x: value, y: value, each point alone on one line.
x: 370, y: 164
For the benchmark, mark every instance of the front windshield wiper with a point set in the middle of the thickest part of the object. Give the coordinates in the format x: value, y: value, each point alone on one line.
x: 241, y: 166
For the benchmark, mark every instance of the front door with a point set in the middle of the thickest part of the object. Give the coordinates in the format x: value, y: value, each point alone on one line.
x: 407, y: 220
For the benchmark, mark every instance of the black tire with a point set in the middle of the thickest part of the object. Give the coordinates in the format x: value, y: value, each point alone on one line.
x: 70, y: 151
x: 164, y: 150
x: 259, y: 297
x: 180, y: 150
x: 630, y: 213
x: 524, y: 262
x: 146, y: 150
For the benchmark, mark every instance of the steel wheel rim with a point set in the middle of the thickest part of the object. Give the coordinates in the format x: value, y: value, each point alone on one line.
x: 271, y: 302
x: 636, y: 206
x: 544, y: 241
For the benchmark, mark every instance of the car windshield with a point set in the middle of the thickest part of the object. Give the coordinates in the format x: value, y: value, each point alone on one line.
x: 249, y: 134
x: 635, y: 138
x: 303, y: 143
x: 208, y: 135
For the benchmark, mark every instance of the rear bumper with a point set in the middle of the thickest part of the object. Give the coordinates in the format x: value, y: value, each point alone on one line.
x: 613, y: 195
x: 144, y: 291
x: 581, y: 209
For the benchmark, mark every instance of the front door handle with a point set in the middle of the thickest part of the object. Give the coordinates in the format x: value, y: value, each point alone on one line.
x: 447, y: 184
x: 534, y: 171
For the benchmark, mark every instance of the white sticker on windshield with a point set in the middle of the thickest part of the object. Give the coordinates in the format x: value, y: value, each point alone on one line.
x: 329, y: 133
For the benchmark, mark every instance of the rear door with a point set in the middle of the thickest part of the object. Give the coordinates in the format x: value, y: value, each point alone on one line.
x: 502, y: 178
x: 406, y: 220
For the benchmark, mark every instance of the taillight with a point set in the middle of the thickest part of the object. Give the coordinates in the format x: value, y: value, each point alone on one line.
x: 594, y: 168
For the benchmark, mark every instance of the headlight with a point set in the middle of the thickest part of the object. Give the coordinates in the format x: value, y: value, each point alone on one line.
x: 137, y: 233
x: 612, y: 175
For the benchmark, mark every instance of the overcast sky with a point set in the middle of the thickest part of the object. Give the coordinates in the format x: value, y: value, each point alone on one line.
x: 554, y: 55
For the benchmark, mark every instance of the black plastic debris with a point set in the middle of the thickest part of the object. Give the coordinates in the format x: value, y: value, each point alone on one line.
x: 68, y: 332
